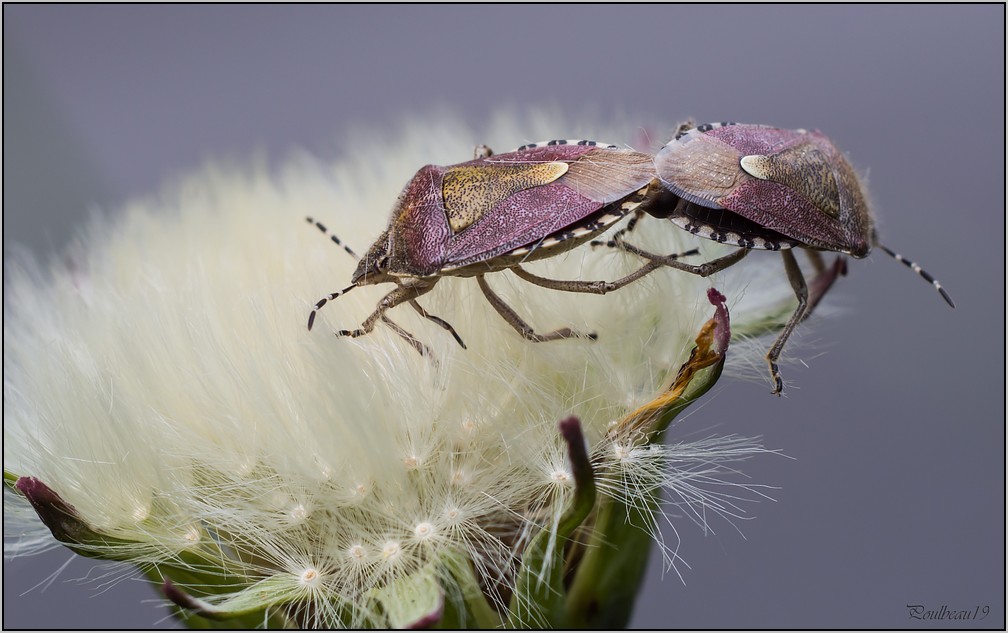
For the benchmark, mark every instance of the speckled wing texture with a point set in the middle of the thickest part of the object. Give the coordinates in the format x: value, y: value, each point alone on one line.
x: 792, y: 182
x: 595, y: 178
x: 699, y: 168
x: 472, y: 190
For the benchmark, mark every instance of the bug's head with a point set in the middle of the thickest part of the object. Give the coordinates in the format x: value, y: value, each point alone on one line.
x: 851, y: 202
x: 374, y: 266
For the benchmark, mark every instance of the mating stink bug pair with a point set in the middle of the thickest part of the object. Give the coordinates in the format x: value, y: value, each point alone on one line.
x: 751, y: 186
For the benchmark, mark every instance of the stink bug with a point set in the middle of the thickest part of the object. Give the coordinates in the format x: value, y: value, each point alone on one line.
x: 496, y: 212
x: 760, y: 187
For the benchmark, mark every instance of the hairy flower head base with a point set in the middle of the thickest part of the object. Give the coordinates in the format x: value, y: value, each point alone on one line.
x: 166, y: 406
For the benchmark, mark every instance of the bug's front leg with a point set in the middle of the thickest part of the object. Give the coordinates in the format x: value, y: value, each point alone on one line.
x: 439, y: 321
x: 406, y: 291
x: 797, y: 280
x: 521, y: 326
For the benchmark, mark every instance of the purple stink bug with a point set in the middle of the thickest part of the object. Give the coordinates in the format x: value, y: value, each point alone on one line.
x: 760, y: 187
x: 496, y: 212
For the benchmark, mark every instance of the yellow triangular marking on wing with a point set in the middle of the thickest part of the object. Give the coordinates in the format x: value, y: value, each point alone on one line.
x: 472, y: 190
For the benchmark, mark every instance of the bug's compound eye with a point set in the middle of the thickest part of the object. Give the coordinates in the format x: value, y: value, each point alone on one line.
x: 684, y: 127
x: 381, y: 264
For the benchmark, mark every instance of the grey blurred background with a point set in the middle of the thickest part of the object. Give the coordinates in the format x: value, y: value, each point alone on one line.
x: 895, y: 495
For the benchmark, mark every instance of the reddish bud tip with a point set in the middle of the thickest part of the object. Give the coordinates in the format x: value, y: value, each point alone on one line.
x: 722, y: 333
x: 570, y: 430
x: 430, y: 620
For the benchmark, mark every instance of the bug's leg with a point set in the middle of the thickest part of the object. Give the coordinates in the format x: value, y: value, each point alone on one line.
x: 521, y: 326
x: 817, y: 261
x: 703, y: 270
x: 822, y: 282
x: 797, y: 280
x: 438, y: 320
x: 824, y: 279
x: 422, y: 349
x: 592, y: 287
x: 401, y: 294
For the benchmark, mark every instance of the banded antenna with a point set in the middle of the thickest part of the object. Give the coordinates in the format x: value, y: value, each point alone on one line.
x: 332, y: 236
x: 920, y: 271
x: 398, y: 329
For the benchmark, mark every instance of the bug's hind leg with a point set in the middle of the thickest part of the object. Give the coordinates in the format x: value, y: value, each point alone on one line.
x: 797, y: 280
x: 521, y: 326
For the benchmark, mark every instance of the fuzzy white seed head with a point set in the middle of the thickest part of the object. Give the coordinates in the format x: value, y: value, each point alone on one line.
x: 357, y: 552
x: 461, y: 477
x: 193, y: 534
x: 453, y: 516
x: 298, y: 513
x: 310, y: 578
x: 423, y: 530
x: 562, y: 477
x: 391, y: 550
x: 167, y: 379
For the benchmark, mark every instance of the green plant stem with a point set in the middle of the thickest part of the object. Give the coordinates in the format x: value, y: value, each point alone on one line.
x: 477, y: 610
x: 607, y: 581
